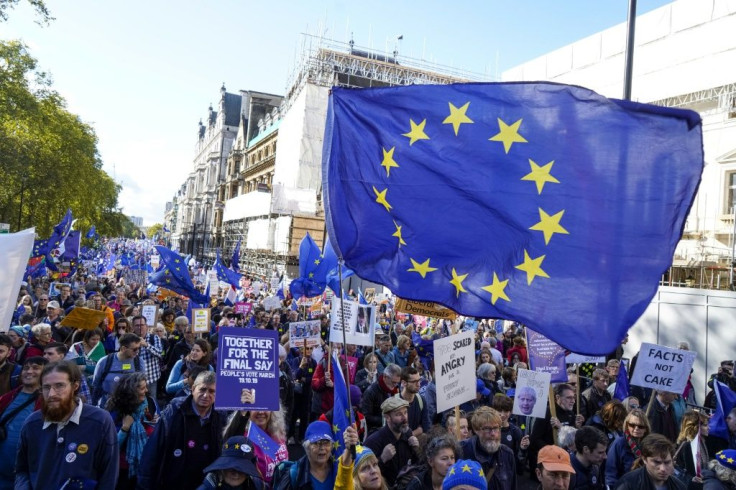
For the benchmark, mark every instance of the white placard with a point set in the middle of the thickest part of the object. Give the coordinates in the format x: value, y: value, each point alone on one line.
x: 309, y: 331
x: 532, y: 391
x: 272, y: 303
x: 275, y: 283
x: 359, y: 322
x: 257, y: 285
x: 154, y: 262
x: 583, y: 359
x: 149, y: 313
x: 663, y: 368
x: 201, y: 320
x: 454, y: 369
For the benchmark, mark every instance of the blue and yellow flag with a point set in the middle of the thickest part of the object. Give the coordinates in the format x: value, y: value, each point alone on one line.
x: 313, y: 268
x: 173, y: 275
x: 542, y: 203
x: 224, y: 274
x: 342, y: 413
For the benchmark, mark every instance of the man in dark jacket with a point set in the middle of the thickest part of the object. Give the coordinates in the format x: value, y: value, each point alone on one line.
x: 394, y: 444
x: 590, y: 454
x: 187, y: 439
x: 657, y: 455
x: 597, y: 395
x: 497, y: 460
x: 385, y: 386
x: 662, y: 415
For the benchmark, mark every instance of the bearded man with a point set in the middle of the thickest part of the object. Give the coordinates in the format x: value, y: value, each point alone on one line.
x: 67, y: 442
x: 497, y: 460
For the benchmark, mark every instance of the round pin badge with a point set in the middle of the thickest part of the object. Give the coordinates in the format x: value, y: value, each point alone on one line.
x: 177, y: 453
x: 206, y: 447
x: 71, y: 457
x: 191, y: 444
x: 71, y: 446
x: 60, y: 440
x: 508, y: 437
x: 116, y: 378
x: 82, y: 449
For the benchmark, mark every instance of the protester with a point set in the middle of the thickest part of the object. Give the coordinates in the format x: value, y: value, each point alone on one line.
x: 81, y: 446
x: 135, y: 415
x: 485, y: 447
x: 8, y: 369
x: 86, y: 352
x: 662, y: 415
x: 112, y: 341
x: 273, y: 424
x: 235, y: 468
x: 419, y: 421
x: 589, y: 458
x: 465, y: 475
x: 394, y: 442
x: 519, y: 348
x: 657, y: 453
x: 630, y: 403
x: 721, y: 471
x: 385, y: 386
x: 367, y: 471
x: 41, y: 336
x: 511, y: 434
x: 114, y: 367
x: 463, y: 432
x: 151, y: 354
x: 19, y: 344
x: 384, y: 356
x: 367, y: 376
x: 596, y: 395
x: 626, y: 448
x: 15, y: 407
x: 303, y: 367
x: 441, y: 453
x: 401, y: 351
x: 553, y: 468
x: 610, y: 420
x: 694, y: 424
x: 199, y: 355
x: 186, y: 440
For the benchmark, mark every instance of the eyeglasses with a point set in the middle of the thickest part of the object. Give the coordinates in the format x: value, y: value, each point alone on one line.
x: 490, y: 430
x: 43, y: 299
x: 57, y: 387
x: 637, y: 426
x: 137, y: 349
x: 323, y: 443
x: 633, y: 406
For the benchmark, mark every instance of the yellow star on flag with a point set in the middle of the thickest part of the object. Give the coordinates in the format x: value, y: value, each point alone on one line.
x: 497, y: 289
x: 549, y: 225
x: 381, y: 198
x: 508, y: 135
x: 311, y: 275
x: 532, y: 267
x: 457, y: 117
x: 457, y: 281
x: 466, y: 468
x: 335, y: 428
x: 540, y: 175
x: 422, y: 268
x: 316, y: 261
x: 480, y: 472
x: 417, y: 132
x: 237, y: 446
x: 336, y: 445
x: 388, y: 161
x: 729, y: 460
x: 397, y: 234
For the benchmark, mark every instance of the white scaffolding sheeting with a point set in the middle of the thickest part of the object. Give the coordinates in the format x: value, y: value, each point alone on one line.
x: 269, y: 234
x: 247, y: 206
x: 299, y: 159
x: 258, y: 234
x: 287, y: 200
x: 282, y: 226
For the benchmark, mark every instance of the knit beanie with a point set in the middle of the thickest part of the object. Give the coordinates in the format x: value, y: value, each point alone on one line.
x: 465, y: 472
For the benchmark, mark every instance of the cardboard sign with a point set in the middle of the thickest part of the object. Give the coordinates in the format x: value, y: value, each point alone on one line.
x: 546, y: 356
x: 155, y: 261
x: 243, y: 308
x: 359, y: 322
x: 201, y: 320
x: 663, y: 368
x: 532, y: 391
x: 272, y: 303
x: 424, y: 308
x: 84, y: 318
x: 454, y: 370
x: 369, y: 294
x: 149, y: 312
x: 248, y: 359
x: 304, y: 331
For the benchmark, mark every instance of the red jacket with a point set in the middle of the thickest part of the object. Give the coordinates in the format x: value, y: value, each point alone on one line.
x: 517, y: 350
x: 8, y: 397
x: 326, y: 394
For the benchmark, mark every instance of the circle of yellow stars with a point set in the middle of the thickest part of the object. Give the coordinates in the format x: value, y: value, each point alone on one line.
x: 509, y: 134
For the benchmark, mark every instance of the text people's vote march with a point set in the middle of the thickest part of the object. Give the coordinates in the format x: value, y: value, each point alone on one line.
x: 248, y: 359
x: 454, y: 370
x: 663, y: 368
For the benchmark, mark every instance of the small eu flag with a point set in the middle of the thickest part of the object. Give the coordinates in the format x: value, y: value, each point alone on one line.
x: 260, y: 438
x: 173, y: 275
x: 542, y: 203
x: 342, y: 415
x: 224, y: 274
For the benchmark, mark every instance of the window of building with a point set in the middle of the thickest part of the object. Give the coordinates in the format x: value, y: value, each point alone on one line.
x: 730, y: 193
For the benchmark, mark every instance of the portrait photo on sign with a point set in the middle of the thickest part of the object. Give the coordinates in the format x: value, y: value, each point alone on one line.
x: 532, y: 389
x: 366, y: 318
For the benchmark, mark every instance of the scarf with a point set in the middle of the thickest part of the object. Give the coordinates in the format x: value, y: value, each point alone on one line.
x: 385, y: 388
x: 137, y: 438
x: 633, y: 445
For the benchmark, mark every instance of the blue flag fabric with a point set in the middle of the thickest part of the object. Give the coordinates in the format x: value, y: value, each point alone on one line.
x: 174, y: 275
x: 342, y: 413
x: 166, y: 230
x: 361, y: 298
x: 622, y: 383
x: 424, y: 348
x: 39, y: 248
x: 225, y: 274
x: 235, y: 262
x: 725, y: 401
x: 333, y: 274
x: 57, y: 239
x: 536, y: 202
x: 71, y: 245
x: 313, y: 269
x: 92, y: 233
x: 263, y: 440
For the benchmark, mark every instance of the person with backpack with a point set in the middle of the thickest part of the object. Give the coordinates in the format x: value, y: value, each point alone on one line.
x: 114, y: 367
x: 419, y: 421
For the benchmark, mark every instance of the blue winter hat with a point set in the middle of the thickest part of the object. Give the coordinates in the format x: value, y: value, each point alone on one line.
x: 318, y: 431
x: 465, y: 472
x: 360, y: 453
x: 727, y: 458
x: 19, y: 330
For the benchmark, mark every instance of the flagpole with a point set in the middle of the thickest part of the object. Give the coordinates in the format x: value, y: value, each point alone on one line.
x: 629, y: 65
x: 345, y: 346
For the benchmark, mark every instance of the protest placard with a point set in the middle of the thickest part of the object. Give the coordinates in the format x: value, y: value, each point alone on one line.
x: 304, y: 331
x: 663, y: 368
x: 243, y: 308
x: 84, y: 318
x: 257, y: 286
x: 149, y: 312
x: 454, y: 370
x: 155, y: 261
x: 272, y: 303
x: 424, y: 308
x: 583, y: 359
x: 275, y: 283
x: 55, y: 289
x: 532, y: 392
x: 359, y: 322
x: 247, y: 367
x: 201, y: 320
x: 369, y: 294
x: 546, y: 356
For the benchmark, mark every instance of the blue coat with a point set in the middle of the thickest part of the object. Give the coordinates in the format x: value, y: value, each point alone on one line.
x: 619, y: 461
x: 504, y: 461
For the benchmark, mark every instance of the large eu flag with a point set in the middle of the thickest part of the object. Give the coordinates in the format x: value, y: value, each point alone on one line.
x: 173, y: 274
x: 538, y: 202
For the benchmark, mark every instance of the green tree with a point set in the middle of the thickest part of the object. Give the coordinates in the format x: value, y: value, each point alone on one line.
x: 48, y: 156
x: 38, y: 5
x: 155, y: 229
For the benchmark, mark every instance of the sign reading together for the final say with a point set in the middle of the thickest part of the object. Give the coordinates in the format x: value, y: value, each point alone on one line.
x: 247, y: 369
x: 663, y: 368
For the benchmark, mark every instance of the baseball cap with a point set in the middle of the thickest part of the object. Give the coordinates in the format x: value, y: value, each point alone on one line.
x: 554, y: 458
x: 318, y: 431
x: 53, y: 304
x: 237, y: 454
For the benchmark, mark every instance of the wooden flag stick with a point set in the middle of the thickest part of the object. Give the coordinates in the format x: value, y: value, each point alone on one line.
x: 577, y: 388
x: 553, y: 411
x: 651, y: 402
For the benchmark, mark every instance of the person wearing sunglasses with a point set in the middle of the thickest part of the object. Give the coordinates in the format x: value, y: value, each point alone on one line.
x: 626, y: 448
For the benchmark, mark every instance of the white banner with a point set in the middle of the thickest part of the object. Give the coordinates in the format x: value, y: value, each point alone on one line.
x: 15, y: 248
x: 663, y: 368
x: 454, y: 370
x: 300, y: 332
x: 272, y: 303
x: 149, y: 313
x: 359, y: 322
x: 532, y: 391
x: 583, y: 359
